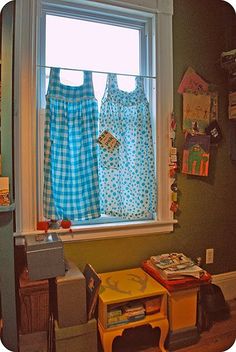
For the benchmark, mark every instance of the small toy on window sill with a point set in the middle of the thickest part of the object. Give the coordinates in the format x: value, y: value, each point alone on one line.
x: 54, y: 224
x: 65, y: 224
x: 43, y: 225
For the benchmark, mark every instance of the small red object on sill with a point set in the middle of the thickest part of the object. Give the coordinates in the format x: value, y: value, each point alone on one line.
x: 42, y: 225
x: 65, y: 224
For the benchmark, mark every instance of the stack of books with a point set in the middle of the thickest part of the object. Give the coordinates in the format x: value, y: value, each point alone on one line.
x: 152, y: 305
x: 173, y: 266
x: 134, y: 311
x: 116, y: 317
x: 125, y: 314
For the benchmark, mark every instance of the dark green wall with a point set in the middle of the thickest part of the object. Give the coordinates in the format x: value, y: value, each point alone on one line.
x: 207, y: 205
x: 207, y: 218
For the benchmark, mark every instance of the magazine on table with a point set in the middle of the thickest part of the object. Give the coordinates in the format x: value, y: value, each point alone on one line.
x: 175, y: 266
x: 168, y: 260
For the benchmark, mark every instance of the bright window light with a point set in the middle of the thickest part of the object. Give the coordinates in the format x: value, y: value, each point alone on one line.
x: 93, y: 46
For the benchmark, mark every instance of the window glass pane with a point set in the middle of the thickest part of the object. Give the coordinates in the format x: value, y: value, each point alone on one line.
x: 78, y: 44
x: 92, y: 46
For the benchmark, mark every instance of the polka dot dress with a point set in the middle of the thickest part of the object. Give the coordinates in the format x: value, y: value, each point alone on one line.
x: 127, y: 174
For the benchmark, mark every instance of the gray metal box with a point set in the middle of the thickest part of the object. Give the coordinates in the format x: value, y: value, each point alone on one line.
x: 45, y: 256
x: 71, y: 297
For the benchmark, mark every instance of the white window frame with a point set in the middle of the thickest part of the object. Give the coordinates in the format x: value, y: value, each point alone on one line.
x: 142, y: 22
x: 27, y: 26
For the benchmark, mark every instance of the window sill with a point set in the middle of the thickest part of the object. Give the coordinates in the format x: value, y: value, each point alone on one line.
x: 108, y: 231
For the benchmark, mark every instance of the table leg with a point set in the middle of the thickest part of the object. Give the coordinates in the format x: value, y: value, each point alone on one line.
x: 108, y: 337
x: 163, y: 325
x: 164, y: 331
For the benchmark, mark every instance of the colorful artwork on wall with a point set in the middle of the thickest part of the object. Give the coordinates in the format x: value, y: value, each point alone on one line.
x: 196, y: 153
x: 196, y: 112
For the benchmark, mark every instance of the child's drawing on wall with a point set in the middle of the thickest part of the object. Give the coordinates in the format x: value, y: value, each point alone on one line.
x: 196, y: 155
x: 197, y: 110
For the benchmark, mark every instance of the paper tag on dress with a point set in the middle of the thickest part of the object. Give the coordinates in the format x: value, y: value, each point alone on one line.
x: 107, y: 140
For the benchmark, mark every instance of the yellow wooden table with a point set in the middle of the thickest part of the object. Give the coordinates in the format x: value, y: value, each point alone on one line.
x: 182, y: 315
x: 131, y: 286
x: 182, y: 309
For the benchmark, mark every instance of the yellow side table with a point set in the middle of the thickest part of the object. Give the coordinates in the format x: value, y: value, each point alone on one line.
x: 182, y: 315
x: 132, y: 286
x: 182, y: 309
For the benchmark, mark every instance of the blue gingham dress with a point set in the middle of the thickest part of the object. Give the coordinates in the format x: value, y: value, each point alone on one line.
x: 127, y: 174
x: 71, y: 187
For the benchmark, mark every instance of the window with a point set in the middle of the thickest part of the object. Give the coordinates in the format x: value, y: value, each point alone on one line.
x: 103, y: 44
x: 95, y: 27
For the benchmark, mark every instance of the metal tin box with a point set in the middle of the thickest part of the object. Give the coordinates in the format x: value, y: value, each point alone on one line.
x: 71, y: 297
x: 45, y: 257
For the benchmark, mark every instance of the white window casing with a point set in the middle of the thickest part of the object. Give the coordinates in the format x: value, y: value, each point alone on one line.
x: 27, y: 22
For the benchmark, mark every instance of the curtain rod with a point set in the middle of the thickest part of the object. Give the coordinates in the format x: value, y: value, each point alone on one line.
x: 102, y: 72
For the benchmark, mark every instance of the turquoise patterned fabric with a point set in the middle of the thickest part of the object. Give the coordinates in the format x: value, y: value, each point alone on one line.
x: 71, y: 187
x: 127, y: 174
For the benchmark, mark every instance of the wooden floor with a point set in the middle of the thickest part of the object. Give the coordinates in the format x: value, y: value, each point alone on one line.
x: 219, y: 338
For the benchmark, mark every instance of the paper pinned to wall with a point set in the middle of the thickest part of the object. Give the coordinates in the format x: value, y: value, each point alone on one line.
x: 196, y: 112
x: 192, y: 82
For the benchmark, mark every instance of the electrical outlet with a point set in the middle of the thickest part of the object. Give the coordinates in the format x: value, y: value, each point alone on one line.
x: 209, y: 255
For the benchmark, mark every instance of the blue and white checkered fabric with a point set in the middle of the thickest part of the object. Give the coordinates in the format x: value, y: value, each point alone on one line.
x: 71, y: 187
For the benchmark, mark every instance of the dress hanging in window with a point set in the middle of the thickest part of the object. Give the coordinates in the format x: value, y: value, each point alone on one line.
x: 127, y: 173
x: 71, y: 187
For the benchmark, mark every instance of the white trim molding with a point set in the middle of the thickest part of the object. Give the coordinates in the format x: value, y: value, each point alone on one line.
x: 24, y: 113
x: 103, y: 231
x: 165, y: 6
x: 155, y: 6
x: 227, y: 282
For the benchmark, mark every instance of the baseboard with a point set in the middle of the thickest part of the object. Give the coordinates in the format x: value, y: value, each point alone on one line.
x: 227, y: 282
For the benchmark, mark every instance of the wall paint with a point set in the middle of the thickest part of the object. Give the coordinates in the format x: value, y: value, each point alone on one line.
x: 207, y: 205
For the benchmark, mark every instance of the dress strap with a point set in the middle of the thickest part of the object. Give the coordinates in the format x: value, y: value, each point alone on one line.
x: 112, y: 82
x: 139, y: 83
x: 54, y: 75
x: 54, y: 79
x: 63, y: 91
x: 88, y: 81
